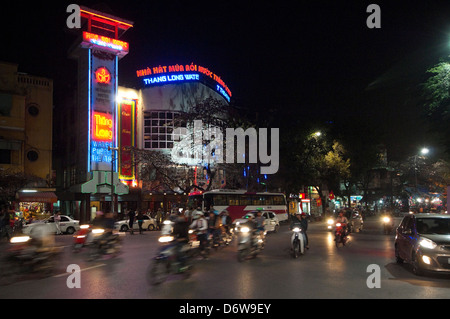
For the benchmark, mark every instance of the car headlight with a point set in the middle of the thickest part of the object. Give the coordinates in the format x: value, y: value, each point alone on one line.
x: 427, y: 243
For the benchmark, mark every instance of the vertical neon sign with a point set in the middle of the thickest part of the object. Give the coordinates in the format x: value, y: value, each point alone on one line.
x: 102, y: 113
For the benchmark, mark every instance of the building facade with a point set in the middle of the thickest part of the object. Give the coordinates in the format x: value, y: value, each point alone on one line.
x: 26, y: 112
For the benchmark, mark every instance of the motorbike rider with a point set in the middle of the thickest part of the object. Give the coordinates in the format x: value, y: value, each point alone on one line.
x: 298, y: 220
x: 225, y: 221
x: 343, y: 220
x: 200, y: 226
x: 180, y: 233
x: 259, y: 220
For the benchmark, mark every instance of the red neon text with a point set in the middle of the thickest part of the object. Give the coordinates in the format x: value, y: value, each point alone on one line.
x: 102, y: 127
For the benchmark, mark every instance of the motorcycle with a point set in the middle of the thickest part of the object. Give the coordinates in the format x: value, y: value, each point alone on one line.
x: 340, y: 236
x: 82, y: 237
x: 298, y: 242
x: 165, y: 262
x: 27, y: 255
x: 250, y: 243
x: 104, y: 244
x: 388, y: 225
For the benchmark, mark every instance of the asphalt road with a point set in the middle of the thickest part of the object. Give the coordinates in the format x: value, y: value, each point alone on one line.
x: 364, y: 269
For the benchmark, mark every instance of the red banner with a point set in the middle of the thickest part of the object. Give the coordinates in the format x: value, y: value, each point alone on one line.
x: 127, y: 118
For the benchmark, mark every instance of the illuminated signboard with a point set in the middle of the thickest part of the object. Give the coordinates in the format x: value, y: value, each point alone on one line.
x: 102, y: 137
x: 119, y: 47
x: 179, y: 73
x: 102, y: 110
x: 127, y: 133
x: 102, y: 75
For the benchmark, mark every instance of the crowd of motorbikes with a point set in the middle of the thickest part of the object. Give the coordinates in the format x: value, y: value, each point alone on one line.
x: 38, y: 254
x: 175, y: 258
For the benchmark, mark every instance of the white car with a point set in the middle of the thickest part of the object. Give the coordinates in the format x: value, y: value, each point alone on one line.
x: 67, y: 225
x: 149, y: 224
x: 271, y: 224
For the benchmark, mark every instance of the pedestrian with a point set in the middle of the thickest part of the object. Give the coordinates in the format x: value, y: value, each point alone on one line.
x: 140, y: 219
x: 158, y: 218
x: 57, y: 219
x: 131, y: 216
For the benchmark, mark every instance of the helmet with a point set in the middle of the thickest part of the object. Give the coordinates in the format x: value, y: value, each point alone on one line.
x: 197, y: 215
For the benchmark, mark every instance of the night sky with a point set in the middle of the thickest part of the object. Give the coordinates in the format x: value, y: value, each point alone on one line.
x: 307, y: 59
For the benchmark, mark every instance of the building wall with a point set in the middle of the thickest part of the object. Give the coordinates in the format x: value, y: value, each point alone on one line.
x: 26, y: 106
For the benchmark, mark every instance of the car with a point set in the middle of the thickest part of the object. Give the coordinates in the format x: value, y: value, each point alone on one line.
x: 423, y: 240
x: 271, y: 224
x: 149, y: 224
x: 67, y: 225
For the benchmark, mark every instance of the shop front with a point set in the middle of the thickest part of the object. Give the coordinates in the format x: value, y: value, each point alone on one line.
x: 35, y: 204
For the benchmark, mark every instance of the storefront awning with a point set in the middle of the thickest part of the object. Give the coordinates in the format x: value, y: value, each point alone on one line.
x: 42, y: 197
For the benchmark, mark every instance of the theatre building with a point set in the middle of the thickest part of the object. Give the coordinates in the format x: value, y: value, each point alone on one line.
x: 95, y: 171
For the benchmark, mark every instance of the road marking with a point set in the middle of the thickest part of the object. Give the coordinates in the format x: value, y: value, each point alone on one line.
x: 66, y: 273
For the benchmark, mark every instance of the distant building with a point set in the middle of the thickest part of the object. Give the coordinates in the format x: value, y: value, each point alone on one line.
x: 26, y: 111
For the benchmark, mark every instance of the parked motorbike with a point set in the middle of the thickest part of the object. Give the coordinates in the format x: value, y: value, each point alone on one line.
x: 27, y: 255
x: 250, y: 243
x: 82, y: 237
x: 298, y: 242
x: 166, y: 262
x: 104, y: 244
x: 340, y: 236
x: 388, y: 225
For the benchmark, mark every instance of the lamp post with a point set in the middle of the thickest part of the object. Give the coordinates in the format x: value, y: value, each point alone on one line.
x: 113, y: 159
x: 423, y: 151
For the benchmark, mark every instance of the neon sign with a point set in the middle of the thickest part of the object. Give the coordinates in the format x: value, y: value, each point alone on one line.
x: 105, y: 42
x: 102, y: 75
x: 102, y: 137
x: 180, y: 73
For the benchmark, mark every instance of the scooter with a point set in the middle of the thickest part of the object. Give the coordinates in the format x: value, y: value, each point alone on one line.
x: 388, y: 225
x: 104, y: 244
x: 165, y: 262
x: 82, y: 237
x: 250, y: 243
x: 298, y: 242
x: 340, y: 236
x: 27, y: 255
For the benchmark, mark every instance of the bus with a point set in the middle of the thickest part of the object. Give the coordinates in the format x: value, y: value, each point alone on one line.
x: 240, y: 202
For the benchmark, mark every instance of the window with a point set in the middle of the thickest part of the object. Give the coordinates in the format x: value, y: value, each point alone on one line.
x: 158, y: 129
x: 32, y: 156
x: 245, y: 200
x: 233, y: 200
x: 5, y: 156
x: 278, y: 200
x: 33, y: 109
x: 220, y: 200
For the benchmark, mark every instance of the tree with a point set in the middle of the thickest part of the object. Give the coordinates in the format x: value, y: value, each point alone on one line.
x: 201, y: 126
x: 436, y: 94
x: 12, y: 181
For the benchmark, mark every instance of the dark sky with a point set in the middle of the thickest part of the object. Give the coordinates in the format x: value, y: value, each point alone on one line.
x: 297, y: 56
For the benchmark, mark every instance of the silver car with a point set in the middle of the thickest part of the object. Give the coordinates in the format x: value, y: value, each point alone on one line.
x: 423, y: 240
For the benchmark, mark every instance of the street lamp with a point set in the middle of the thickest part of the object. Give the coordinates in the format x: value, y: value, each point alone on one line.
x: 423, y: 151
